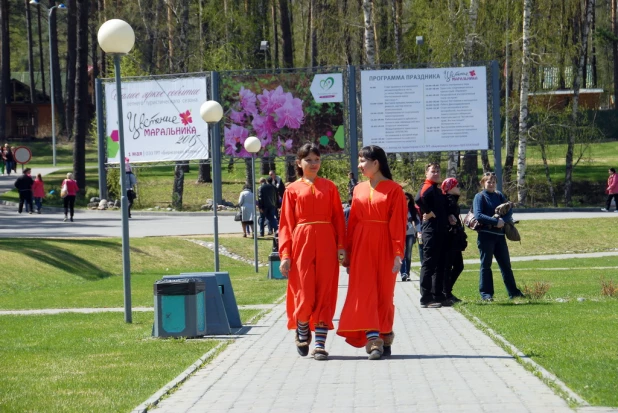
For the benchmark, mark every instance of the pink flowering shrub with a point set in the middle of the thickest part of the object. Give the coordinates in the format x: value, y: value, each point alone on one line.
x: 269, y: 116
x: 282, y: 120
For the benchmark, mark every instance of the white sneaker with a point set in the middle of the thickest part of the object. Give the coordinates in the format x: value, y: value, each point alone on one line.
x: 604, y: 210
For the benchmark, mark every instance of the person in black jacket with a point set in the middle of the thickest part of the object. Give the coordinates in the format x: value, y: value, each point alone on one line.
x: 24, y: 186
x: 456, y: 239
x: 432, y: 203
x: 267, y: 202
x: 279, y: 185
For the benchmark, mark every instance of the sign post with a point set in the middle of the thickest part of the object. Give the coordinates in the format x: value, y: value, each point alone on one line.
x: 22, y: 155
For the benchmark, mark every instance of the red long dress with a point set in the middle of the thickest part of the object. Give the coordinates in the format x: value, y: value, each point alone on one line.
x: 376, y: 234
x: 311, y: 230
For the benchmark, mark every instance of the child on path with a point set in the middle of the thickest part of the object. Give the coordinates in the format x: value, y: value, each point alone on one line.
x: 38, y: 191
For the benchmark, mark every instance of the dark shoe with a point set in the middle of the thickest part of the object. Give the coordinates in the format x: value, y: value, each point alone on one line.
x: 447, y: 303
x: 454, y: 299
x: 487, y: 299
x: 431, y: 305
x: 405, y: 277
x: 302, y: 346
x: 387, y: 351
x: 520, y: 295
x: 244, y: 235
x: 71, y: 219
x: 262, y: 234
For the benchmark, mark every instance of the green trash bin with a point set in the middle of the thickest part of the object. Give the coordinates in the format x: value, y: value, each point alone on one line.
x: 179, y: 308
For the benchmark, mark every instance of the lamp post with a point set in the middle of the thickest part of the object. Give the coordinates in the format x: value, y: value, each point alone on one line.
x: 212, y: 112
x: 116, y: 38
x: 60, y: 6
x: 253, y: 146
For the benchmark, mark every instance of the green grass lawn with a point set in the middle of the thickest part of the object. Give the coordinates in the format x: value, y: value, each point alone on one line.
x: 87, y: 362
x: 575, y: 340
x: 97, y: 362
x: 73, y: 273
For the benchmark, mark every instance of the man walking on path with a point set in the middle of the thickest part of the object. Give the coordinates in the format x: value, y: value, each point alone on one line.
x: 24, y: 186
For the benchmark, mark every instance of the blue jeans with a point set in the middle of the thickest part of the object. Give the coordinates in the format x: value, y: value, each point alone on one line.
x: 38, y: 201
x: 491, y: 246
x: 407, y: 255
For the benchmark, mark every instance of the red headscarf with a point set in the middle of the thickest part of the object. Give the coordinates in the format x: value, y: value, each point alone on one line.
x: 448, y: 184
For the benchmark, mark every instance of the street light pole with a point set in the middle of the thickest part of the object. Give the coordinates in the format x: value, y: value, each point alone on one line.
x: 212, y: 112
x: 253, y: 146
x: 116, y: 38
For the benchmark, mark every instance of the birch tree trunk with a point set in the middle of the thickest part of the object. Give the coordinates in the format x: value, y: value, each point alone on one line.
x: 170, y: 40
x: 471, y: 157
x: 397, y: 5
x: 568, y: 177
x: 314, y: 35
x: 370, y: 42
x: 523, y: 105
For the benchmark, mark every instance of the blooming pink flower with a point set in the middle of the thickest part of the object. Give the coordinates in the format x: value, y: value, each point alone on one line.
x: 237, y: 117
x: 235, y: 137
x: 264, y: 128
x: 247, y: 100
x: 283, y: 147
x: 186, y: 118
x: 291, y: 113
x: 271, y: 100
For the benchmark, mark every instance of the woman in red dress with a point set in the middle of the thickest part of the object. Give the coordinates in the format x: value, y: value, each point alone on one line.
x: 311, y: 236
x: 375, y: 244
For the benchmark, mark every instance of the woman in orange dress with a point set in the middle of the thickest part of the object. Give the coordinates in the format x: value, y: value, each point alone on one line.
x: 375, y: 244
x: 311, y: 240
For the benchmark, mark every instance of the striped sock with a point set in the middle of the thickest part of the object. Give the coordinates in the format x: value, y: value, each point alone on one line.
x: 320, y: 336
x: 372, y: 335
x: 303, y: 330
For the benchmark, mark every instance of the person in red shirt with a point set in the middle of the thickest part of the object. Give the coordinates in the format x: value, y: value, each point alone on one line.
x: 612, y: 190
x: 69, y: 199
x: 376, y: 238
x: 38, y: 191
x: 311, y: 236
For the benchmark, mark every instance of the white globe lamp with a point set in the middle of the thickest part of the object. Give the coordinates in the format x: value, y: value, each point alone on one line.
x: 253, y: 144
x: 211, y: 111
x: 116, y: 37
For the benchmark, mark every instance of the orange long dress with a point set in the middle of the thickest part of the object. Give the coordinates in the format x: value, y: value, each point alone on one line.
x: 311, y: 230
x: 376, y: 234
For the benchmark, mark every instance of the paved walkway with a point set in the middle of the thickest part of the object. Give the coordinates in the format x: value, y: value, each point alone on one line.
x: 441, y: 363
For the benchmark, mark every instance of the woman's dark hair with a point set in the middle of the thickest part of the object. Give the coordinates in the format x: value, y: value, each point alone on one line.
x: 303, y: 152
x: 39, y: 177
x: 411, y: 205
x: 375, y: 153
x: 613, y: 170
x: 247, y: 187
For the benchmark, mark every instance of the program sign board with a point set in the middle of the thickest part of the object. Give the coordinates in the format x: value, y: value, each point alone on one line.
x: 425, y: 110
x: 161, y: 120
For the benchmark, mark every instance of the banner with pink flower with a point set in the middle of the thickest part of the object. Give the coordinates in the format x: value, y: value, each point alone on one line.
x: 281, y: 112
x: 161, y: 120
